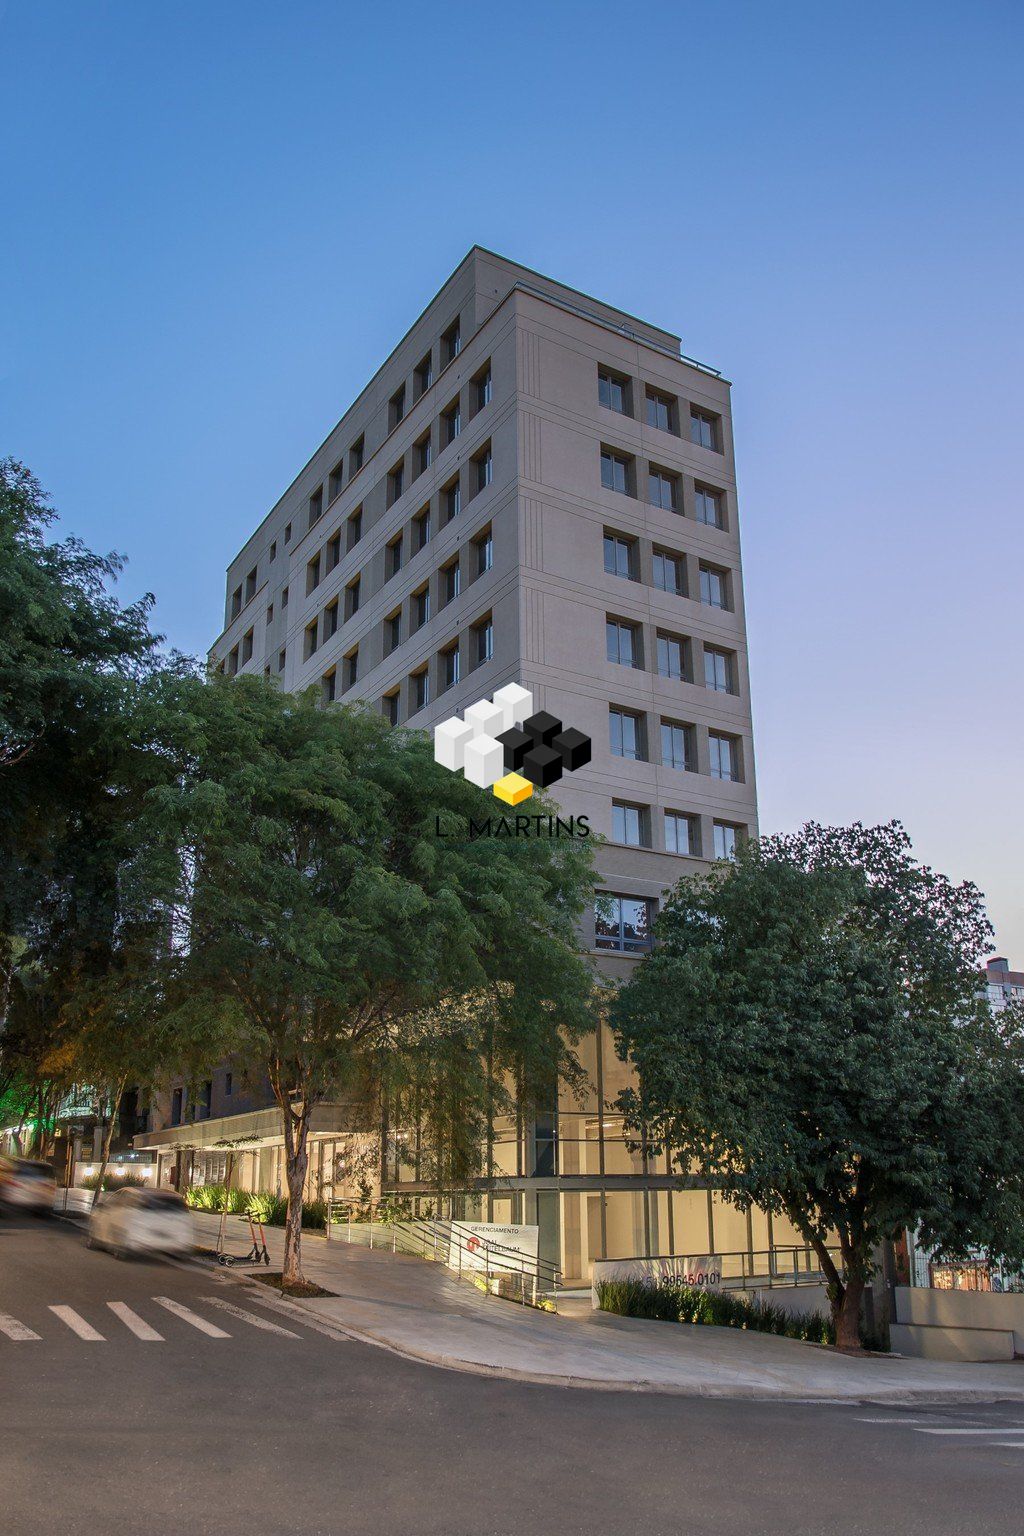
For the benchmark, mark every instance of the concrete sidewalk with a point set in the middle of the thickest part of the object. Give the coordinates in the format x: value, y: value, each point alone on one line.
x: 420, y: 1310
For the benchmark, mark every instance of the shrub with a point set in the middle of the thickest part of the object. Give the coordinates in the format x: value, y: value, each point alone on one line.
x: 672, y: 1301
x: 114, y: 1181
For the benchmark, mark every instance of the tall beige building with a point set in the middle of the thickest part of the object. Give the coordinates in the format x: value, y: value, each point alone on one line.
x: 537, y: 488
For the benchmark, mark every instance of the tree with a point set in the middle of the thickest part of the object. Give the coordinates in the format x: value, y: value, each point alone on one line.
x: 327, y: 920
x: 809, y: 1031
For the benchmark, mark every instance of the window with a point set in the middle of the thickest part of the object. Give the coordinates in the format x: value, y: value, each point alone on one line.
x: 613, y: 392
x: 450, y: 666
x: 393, y: 558
x: 176, y: 1102
x: 452, y: 494
x: 672, y: 656
x: 329, y: 686
x: 270, y: 613
x: 451, y: 422
x: 312, y: 574
x: 714, y: 586
x: 393, y: 631
x: 620, y: 556
x: 725, y: 758
x: 422, y: 453
x: 309, y: 641
x: 351, y: 666
x: 390, y: 707
x: 229, y: 1084
x: 354, y: 529
x: 281, y: 657
x: 704, y: 429
x: 273, y: 550
x: 677, y: 746
x: 661, y: 411
x: 483, y: 641
x: 247, y: 646
x: 424, y: 375
x: 236, y: 602
x: 284, y: 597
x: 622, y: 642
x: 661, y: 489
x: 331, y: 619
x: 682, y: 834
x: 421, y: 530
x: 352, y: 598
x: 629, y: 824
x: 626, y: 735
x: 420, y: 607
x: 718, y: 671
x: 335, y: 480
x: 420, y: 689
x: 709, y: 507
x: 616, y: 471
x: 727, y: 839
x: 355, y: 456
x: 266, y: 671
x: 287, y: 532
x: 250, y: 585
x: 333, y: 550
x: 396, y: 482
x: 233, y: 661
x: 669, y: 572
x: 451, y: 342
x: 484, y: 546
x: 483, y: 465
x: 316, y: 506
x: 622, y: 922
x: 482, y: 388
x: 451, y: 581
x: 396, y: 407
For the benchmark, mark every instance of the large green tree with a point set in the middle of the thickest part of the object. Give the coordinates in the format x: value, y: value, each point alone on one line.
x: 335, y: 904
x: 809, y: 1032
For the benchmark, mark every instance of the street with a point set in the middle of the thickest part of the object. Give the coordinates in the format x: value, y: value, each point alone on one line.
x: 141, y: 1394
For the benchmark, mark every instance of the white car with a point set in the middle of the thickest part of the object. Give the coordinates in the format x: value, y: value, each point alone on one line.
x: 26, y: 1185
x: 141, y: 1221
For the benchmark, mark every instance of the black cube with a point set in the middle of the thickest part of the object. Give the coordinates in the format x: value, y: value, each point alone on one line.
x: 542, y: 766
x: 542, y: 727
x: 516, y: 743
x: 574, y: 748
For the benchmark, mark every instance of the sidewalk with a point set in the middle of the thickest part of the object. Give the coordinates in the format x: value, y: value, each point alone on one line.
x: 420, y: 1310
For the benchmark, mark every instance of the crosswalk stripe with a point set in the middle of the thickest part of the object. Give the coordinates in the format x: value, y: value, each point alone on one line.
x: 14, y: 1329
x: 188, y: 1316
x: 249, y: 1317
x: 78, y: 1324
x: 135, y: 1323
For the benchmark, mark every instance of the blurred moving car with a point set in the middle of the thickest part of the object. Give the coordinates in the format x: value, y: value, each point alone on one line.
x: 141, y: 1221
x: 26, y: 1185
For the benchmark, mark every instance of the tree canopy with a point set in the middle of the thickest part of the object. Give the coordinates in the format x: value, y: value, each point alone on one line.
x: 809, y: 1032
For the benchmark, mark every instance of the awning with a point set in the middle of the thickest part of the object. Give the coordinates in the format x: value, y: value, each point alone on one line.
x: 242, y: 1133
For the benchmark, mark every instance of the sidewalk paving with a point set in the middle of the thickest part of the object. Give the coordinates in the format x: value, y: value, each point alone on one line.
x: 422, y: 1311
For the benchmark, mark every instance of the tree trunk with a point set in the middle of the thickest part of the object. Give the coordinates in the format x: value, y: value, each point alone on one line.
x: 846, y: 1314
x: 108, y: 1138
x: 296, y: 1148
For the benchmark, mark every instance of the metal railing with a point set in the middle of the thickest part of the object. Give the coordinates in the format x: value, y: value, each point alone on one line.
x: 501, y: 1270
x: 745, y: 1269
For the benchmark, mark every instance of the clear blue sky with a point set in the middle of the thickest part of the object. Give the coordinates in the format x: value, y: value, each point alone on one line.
x: 218, y: 218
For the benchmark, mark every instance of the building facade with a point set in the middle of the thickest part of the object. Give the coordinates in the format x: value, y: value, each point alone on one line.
x: 535, y: 488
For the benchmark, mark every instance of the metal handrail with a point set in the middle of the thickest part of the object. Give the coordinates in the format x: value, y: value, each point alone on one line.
x: 770, y: 1273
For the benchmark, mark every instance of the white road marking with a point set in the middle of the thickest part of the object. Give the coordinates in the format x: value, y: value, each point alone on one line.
x: 135, y: 1323
x: 14, y: 1329
x: 994, y: 1429
x: 78, y: 1324
x: 299, y: 1315
x: 249, y: 1317
x: 188, y: 1316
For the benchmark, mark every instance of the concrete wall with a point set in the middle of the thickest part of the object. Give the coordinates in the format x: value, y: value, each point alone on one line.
x: 962, y: 1309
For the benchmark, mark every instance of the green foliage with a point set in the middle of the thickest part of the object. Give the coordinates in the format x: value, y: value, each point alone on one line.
x: 112, y: 1181
x: 808, y: 1032
x: 674, y: 1302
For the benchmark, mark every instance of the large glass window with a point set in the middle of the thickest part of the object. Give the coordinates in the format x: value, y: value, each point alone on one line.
x: 612, y: 391
x: 668, y: 572
x: 718, y: 670
x: 629, y: 824
x: 682, y: 834
x: 671, y: 656
x: 622, y: 922
x: 614, y: 471
x: 625, y: 734
x: 620, y: 556
x: 703, y: 428
x: 709, y: 506
x: 713, y: 587
x: 660, y: 411
x: 726, y: 840
x: 661, y: 490
x: 677, y: 745
x: 623, y: 643
x: 724, y: 757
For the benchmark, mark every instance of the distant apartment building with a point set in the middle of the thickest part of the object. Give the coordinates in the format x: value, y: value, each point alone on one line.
x: 1003, y: 986
x: 535, y: 488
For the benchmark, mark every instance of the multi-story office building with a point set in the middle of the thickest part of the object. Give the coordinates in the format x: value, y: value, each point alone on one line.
x: 534, y: 488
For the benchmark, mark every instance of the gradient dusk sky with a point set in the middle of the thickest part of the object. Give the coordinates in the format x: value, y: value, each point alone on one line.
x: 218, y: 219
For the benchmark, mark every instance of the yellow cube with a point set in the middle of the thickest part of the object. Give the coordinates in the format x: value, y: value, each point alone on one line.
x: 513, y: 789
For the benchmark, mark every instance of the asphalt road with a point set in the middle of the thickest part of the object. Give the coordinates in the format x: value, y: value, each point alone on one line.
x: 183, y: 1415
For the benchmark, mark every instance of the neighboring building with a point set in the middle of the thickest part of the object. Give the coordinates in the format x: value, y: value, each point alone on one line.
x: 534, y: 488
x: 1002, y: 985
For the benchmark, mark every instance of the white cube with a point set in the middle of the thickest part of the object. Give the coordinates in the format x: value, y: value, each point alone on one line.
x: 484, y: 761
x: 450, y: 739
x: 516, y: 704
x: 487, y: 719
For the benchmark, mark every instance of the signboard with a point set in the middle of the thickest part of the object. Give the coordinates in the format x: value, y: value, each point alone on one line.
x: 701, y: 1269
x: 493, y: 1245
